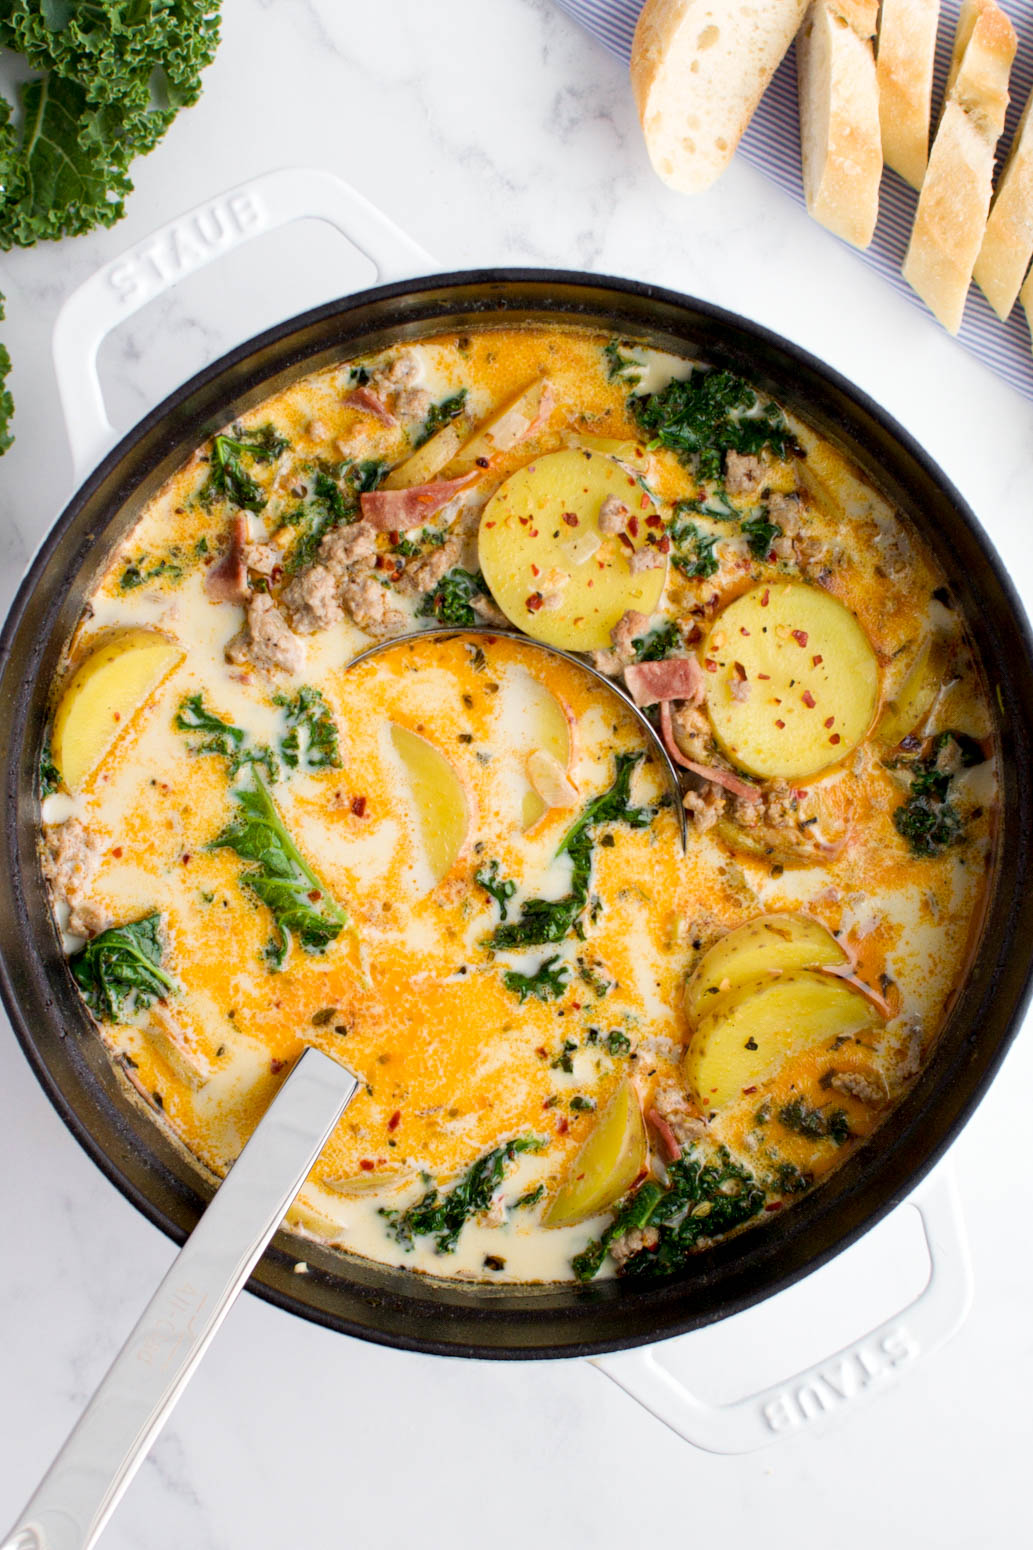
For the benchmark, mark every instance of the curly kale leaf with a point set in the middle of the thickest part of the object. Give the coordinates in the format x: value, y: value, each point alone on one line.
x: 546, y: 983
x: 227, y: 476
x: 445, y: 1216
x: 49, y: 774
x: 111, y: 76
x: 440, y: 415
x: 659, y: 643
x: 333, y: 503
x: 928, y: 820
x: 693, y: 550
x: 449, y: 603
x: 301, y: 905
x: 707, y: 415
x: 311, y: 739
x: 621, y: 368
x: 760, y: 533
x: 544, y: 921
x: 6, y: 401
x: 215, y: 736
x: 120, y: 969
x: 501, y: 888
x: 818, y: 1124
x: 706, y: 1197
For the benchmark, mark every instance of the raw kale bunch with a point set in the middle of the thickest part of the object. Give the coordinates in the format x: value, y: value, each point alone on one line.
x: 108, y: 77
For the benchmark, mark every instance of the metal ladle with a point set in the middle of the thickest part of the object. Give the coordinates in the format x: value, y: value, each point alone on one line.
x: 452, y: 632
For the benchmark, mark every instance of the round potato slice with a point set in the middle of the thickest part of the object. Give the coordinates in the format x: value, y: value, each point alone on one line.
x: 769, y: 944
x: 104, y: 694
x: 761, y: 1024
x: 551, y: 571
x: 438, y: 797
x: 607, y: 1164
x: 792, y: 681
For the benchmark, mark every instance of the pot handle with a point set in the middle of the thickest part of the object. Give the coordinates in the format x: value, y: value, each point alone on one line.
x: 187, y: 244
x: 842, y: 1381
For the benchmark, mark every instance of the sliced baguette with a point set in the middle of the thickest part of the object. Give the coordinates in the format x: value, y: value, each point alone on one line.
x: 840, y: 136
x: 1026, y: 297
x: 904, y: 66
x: 1008, y: 240
x: 955, y: 196
x: 698, y: 70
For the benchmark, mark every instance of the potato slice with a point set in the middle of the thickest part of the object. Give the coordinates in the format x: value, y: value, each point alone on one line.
x: 427, y: 460
x: 913, y: 699
x: 806, y: 680
x: 438, y: 796
x: 606, y: 1165
x: 508, y: 427
x: 768, y: 944
x: 548, y: 727
x: 353, y: 1185
x: 762, y: 1023
x: 778, y: 847
x: 544, y: 523
x: 104, y: 694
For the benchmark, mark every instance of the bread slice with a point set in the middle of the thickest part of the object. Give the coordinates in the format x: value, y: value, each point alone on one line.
x: 955, y: 196
x: 904, y: 67
x: 1008, y: 240
x: 698, y: 70
x: 840, y: 136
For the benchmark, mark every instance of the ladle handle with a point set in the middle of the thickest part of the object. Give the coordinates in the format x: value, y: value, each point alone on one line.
x: 86, y: 1481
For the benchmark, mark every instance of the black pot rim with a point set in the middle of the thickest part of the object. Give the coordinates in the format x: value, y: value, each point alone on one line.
x: 792, y: 355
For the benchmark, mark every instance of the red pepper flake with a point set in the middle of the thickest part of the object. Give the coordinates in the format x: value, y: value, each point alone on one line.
x: 523, y: 521
x: 655, y: 520
x: 817, y: 661
x: 117, y: 852
x: 631, y: 481
x: 118, y: 715
x: 534, y: 602
x: 562, y: 1127
x: 186, y: 858
x: 489, y: 524
x: 535, y: 571
x: 644, y: 502
x: 534, y: 532
x: 694, y: 636
x: 633, y: 526
x: 393, y: 1122
x: 482, y: 462
x: 773, y: 1205
x: 780, y: 725
x: 808, y: 699
x: 740, y: 671
x: 710, y: 664
x: 367, y: 1164
x: 835, y: 738
x: 626, y: 541
x: 766, y: 677
x: 765, y: 600
x: 315, y: 895
x: 359, y: 806
x: 664, y: 545
x: 542, y: 1052
x: 570, y: 518
x: 748, y: 1090
x: 829, y: 720
x: 800, y: 637
x: 743, y: 630
x: 275, y: 1066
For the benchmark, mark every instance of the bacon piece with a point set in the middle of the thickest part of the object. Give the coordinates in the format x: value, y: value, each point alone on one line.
x: 725, y: 778
x: 396, y: 511
x: 226, y: 581
x: 670, y: 1146
x: 367, y: 402
x: 675, y: 678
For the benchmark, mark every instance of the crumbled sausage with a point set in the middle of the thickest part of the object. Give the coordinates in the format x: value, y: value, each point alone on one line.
x: 866, y: 1089
x: 633, y: 1242
x: 486, y: 608
x: 911, y: 1049
x: 679, y: 1112
x: 262, y: 559
x: 628, y: 628
x: 266, y: 640
x: 743, y: 473
x: 369, y: 603
x: 69, y: 863
x: 606, y: 662
x: 425, y: 571
x: 691, y: 731
x: 705, y: 807
x: 311, y: 600
x: 613, y: 514
x: 646, y: 558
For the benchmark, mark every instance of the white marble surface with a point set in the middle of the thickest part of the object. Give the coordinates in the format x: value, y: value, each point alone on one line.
x: 497, y: 134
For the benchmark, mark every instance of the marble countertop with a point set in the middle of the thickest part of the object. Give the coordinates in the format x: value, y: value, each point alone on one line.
x: 496, y: 134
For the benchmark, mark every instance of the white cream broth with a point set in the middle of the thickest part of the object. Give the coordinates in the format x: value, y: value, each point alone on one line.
x: 458, y: 1056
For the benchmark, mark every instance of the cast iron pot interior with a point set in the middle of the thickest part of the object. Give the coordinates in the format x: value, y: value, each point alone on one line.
x: 389, y: 1305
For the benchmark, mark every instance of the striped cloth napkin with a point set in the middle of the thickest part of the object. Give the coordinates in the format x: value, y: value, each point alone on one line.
x: 772, y: 144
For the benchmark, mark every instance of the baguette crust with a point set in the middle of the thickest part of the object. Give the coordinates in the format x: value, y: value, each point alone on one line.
x: 907, y: 52
x: 698, y: 70
x: 1008, y: 240
x: 840, y: 136
x: 952, y: 207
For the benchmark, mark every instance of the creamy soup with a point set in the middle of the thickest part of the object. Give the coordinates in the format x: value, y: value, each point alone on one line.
x: 455, y: 862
